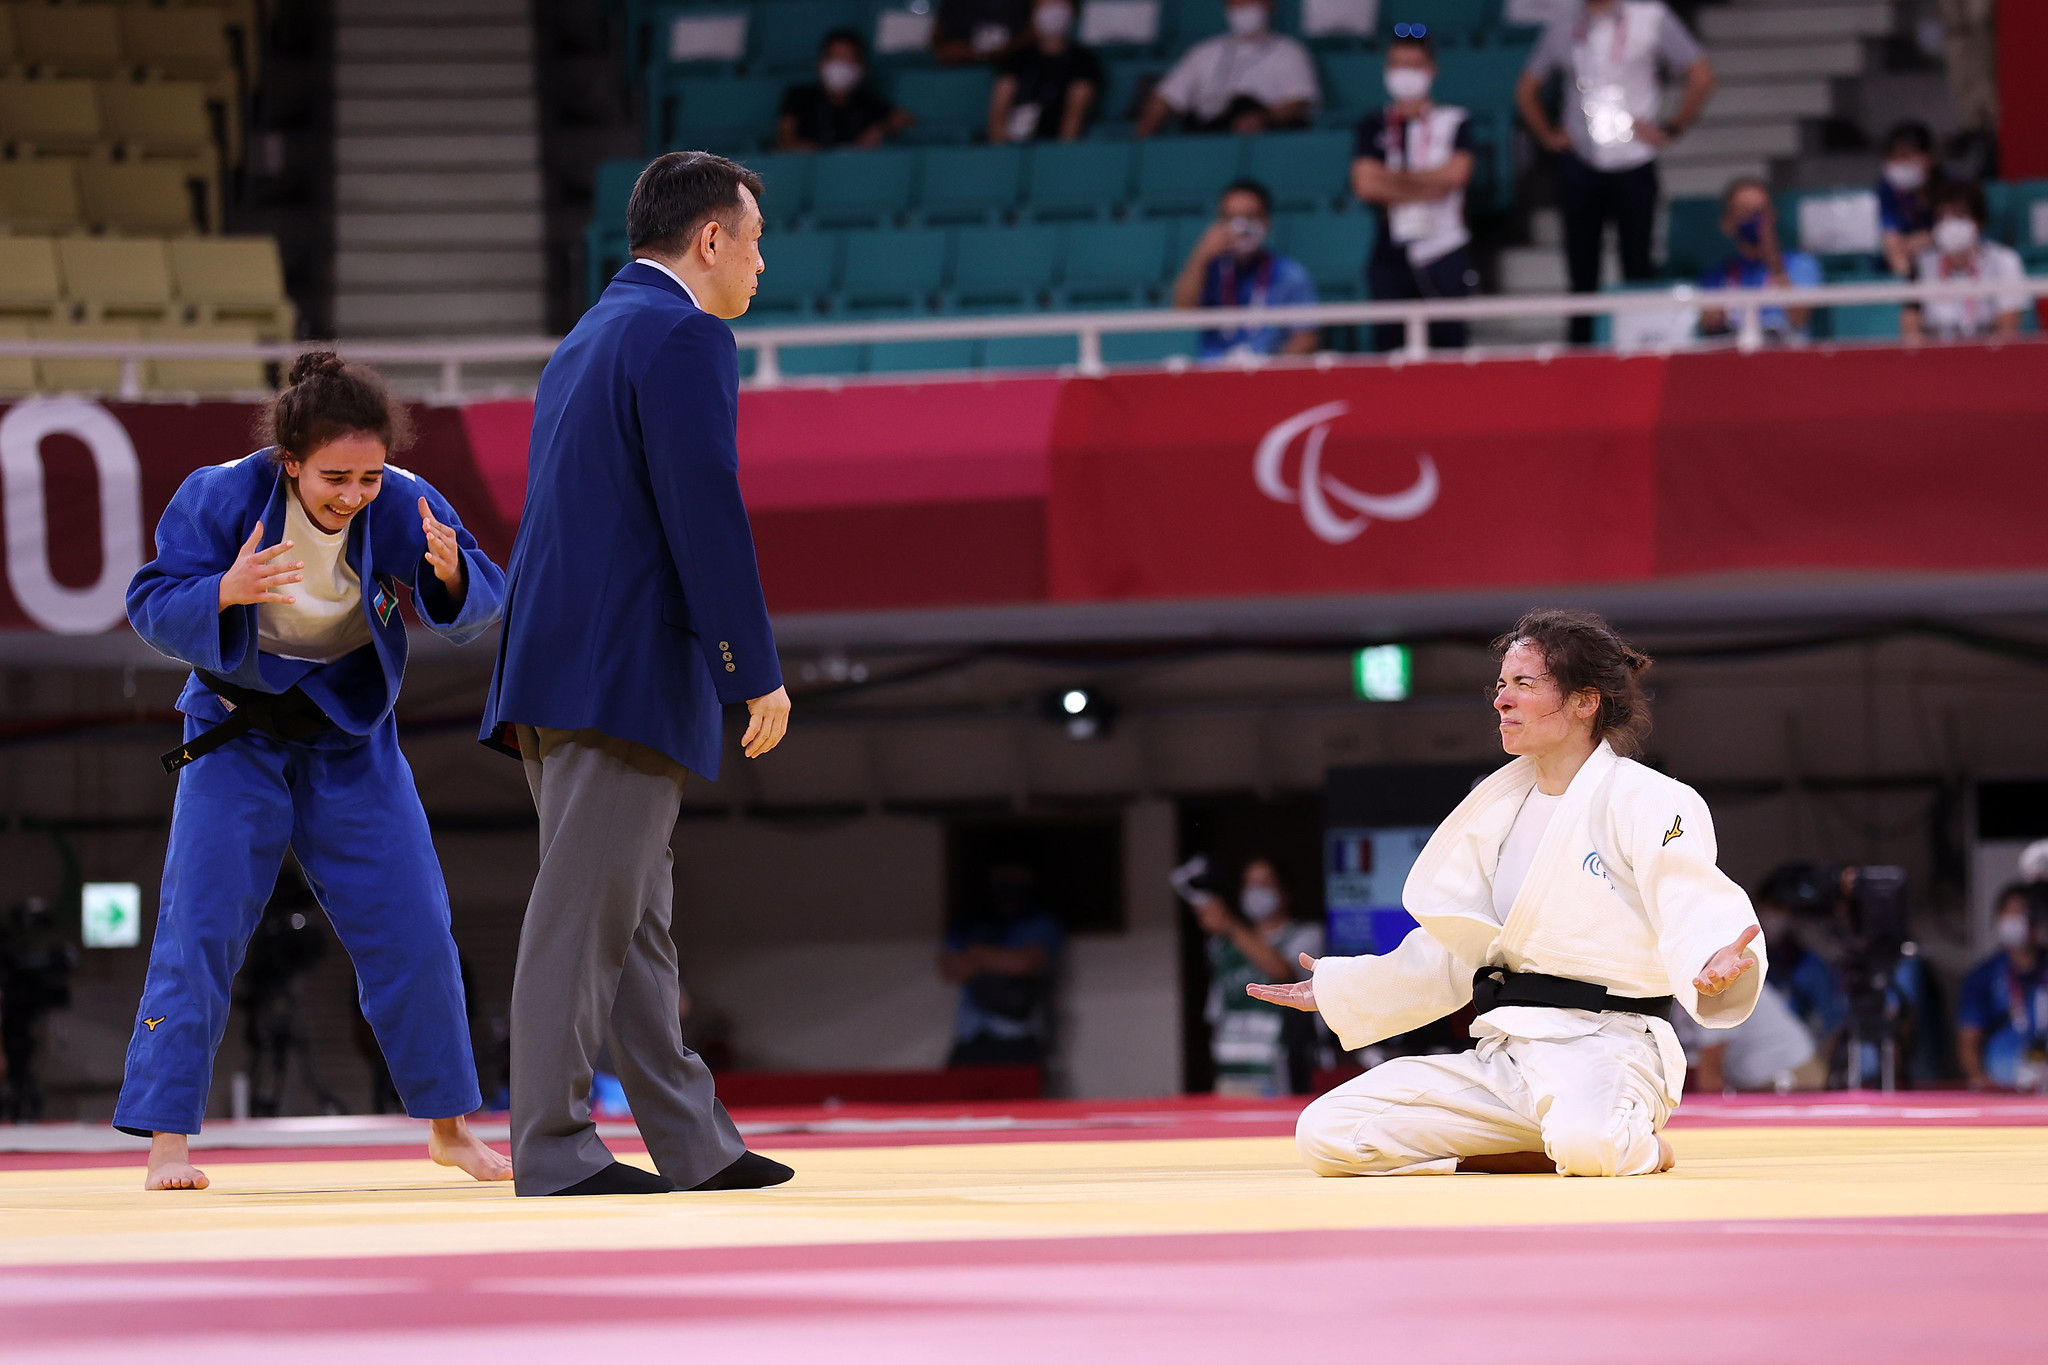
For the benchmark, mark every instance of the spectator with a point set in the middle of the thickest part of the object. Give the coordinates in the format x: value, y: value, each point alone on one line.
x: 1751, y: 221
x: 1249, y: 1041
x: 1004, y: 960
x: 839, y: 109
x: 1809, y: 982
x: 1770, y: 1050
x: 1231, y: 266
x: 1412, y: 163
x: 1248, y: 80
x: 1905, y: 197
x: 1048, y: 87
x: 980, y: 30
x: 1608, y: 53
x: 2002, y: 1018
x: 1961, y: 252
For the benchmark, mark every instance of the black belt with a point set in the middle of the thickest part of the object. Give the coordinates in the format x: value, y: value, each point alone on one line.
x: 1493, y: 987
x: 285, y: 715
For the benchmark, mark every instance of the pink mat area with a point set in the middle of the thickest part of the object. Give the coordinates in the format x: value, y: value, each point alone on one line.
x: 1871, y: 1292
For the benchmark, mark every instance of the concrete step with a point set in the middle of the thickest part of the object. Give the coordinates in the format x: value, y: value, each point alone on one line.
x: 1803, y: 60
x: 1710, y: 177
x: 1541, y: 269
x: 462, y: 113
x: 363, y: 270
x: 440, y: 313
x: 510, y: 228
x: 1516, y: 331
x: 440, y: 11
x: 1711, y: 142
x: 433, y: 42
x: 508, y: 189
x: 1771, y: 100
x: 419, y: 151
x: 1795, y: 22
x: 357, y: 79
x: 1546, y: 228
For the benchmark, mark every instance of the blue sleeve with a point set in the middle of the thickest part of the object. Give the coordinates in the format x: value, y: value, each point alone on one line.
x: 174, y: 600
x: 1291, y: 283
x: 1889, y: 216
x: 1976, y: 1004
x: 1366, y: 141
x: 1462, y: 141
x: 1212, y: 285
x: 1039, y: 931
x: 1803, y: 268
x: 688, y: 401
x: 483, y: 600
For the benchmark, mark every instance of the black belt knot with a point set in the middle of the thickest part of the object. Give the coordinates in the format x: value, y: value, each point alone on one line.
x: 284, y: 715
x: 1493, y: 987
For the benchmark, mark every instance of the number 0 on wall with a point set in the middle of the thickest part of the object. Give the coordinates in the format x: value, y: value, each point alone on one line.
x: 51, y: 605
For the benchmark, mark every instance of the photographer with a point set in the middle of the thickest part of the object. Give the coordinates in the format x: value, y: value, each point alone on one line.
x: 2002, y: 1017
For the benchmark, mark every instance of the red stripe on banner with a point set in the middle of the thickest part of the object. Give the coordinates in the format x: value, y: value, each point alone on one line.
x: 498, y: 434
x: 934, y: 554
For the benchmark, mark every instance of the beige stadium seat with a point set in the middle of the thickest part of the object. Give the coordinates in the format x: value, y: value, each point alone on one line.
x: 8, y: 60
x: 79, y: 375
x: 138, y: 196
x: 116, y: 279
x: 189, y: 42
x: 234, y: 280
x: 69, y: 40
x: 216, y: 376
x: 40, y: 196
x: 31, y: 285
x: 17, y: 373
x: 157, y: 118
x: 59, y: 117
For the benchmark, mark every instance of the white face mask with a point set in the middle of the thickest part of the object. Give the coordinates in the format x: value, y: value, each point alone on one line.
x: 1408, y: 83
x: 840, y: 77
x: 2014, y: 931
x: 1246, y: 235
x: 1053, y: 21
x: 1905, y: 176
x: 1259, y: 902
x: 1246, y: 21
x: 1955, y: 236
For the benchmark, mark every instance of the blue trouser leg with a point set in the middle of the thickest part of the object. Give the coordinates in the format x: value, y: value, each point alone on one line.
x: 229, y: 827
x: 362, y: 838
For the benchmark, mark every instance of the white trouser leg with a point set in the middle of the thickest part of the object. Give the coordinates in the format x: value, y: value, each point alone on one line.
x: 1417, y: 1116
x: 1599, y: 1100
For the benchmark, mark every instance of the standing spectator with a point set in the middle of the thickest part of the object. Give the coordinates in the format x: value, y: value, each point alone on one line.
x: 1232, y: 267
x: 1248, y: 80
x: 1248, y: 1041
x: 839, y: 109
x: 1609, y: 54
x: 1970, y: 33
x: 2002, y: 1018
x: 1750, y: 220
x: 1961, y: 252
x: 1048, y: 87
x: 1412, y: 163
x: 1004, y: 958
x: 979, y: 30
x: 1905, y: 197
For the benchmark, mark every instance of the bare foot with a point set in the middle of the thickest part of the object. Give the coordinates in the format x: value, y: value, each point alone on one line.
x: 1666, y: 1158
x: 450, y: 1143
x: 170, y: 1164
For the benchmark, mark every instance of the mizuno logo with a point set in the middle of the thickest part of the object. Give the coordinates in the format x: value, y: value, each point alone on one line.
x: 1675, y: 830
x: 151, y: 1024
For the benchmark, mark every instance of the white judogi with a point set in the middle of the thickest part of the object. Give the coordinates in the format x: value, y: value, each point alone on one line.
x: 1622, y: 892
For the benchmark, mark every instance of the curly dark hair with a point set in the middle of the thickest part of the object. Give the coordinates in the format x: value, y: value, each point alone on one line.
x: 325, y: 398
x: 1584, y: 654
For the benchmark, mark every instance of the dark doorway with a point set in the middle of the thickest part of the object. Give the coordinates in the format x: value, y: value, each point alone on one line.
x: 1076, y: 864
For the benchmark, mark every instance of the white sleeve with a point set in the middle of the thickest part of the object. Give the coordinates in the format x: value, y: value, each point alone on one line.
x: 1177, y: 87
x: 1287, y: 75
x: 1365, y: 999
x: 1694, y: 908
x: 2007, y: 268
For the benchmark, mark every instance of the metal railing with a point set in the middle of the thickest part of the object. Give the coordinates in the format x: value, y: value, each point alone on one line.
x: 451, y: 359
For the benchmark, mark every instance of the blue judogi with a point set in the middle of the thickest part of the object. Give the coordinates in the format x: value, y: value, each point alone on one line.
x: 343, y: 800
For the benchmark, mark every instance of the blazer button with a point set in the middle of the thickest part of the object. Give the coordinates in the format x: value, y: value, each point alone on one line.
x: 722, y: 644
x: 728, y: 654
x: 732, y: 668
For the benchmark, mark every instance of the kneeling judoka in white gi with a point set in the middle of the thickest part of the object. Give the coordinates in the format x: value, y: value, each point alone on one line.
x: 1573, y: 898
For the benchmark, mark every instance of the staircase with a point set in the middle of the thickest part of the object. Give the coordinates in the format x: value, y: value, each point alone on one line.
x: 438, y: 225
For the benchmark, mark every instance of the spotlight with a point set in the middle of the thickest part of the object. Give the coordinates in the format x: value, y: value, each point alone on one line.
x: 1083, y: 712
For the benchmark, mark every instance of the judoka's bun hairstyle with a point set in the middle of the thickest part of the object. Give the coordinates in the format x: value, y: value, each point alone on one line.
x: 325, y: 398
x: 1584, y: 654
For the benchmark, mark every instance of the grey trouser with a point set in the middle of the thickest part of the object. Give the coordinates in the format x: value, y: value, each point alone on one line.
x: 597, y: 966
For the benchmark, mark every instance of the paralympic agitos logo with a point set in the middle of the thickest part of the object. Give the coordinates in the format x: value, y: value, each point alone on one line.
x: 1335, y: 511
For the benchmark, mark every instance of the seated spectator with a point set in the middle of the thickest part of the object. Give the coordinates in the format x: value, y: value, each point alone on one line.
x: 1810, y: 984
x: 1751, y: 221
x: 1048, y: 87
x: 1770, y: 1050
x: 1245, y: 81
x: 839, y: 109
x: 1412, y: 163
x: 980, y: 30
x: 2002, y: 1016
x: 1004, y: 958
x: 1905, y: 197
x: 1961, y: 252
x: 1231, y: 267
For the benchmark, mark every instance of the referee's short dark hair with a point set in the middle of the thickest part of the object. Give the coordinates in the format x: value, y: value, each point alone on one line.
x: 678, y: 193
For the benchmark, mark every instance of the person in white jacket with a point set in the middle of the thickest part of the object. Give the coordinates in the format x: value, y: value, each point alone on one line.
x: 1573, y: 899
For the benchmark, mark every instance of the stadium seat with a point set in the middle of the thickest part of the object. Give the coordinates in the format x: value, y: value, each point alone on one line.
x: 1190, y: 21
x: 1309, y: 170
x: 40, y: 196
x: 220, y: 375
x: 864, y: 187
x: 1863, y: 321
x: 785, y: 180
x: 731, y: 112
x: 157, y: 118
x: 31, y: 286
x: 1115, y: 262
x: 69, y: 40
x: 970, y: 184
x: 10, y: 58
x: 39, y: 118
x: 2025, y: 221
x: 117, y: 279
x: 839, y: 357
x: 1178, y: 175
x: 1004, y: 266
x: 1352, y: 84
x: 187, y: 42
x: 1479, y: 78
x: 138, y: 196
x: 1694, y: 241
x: 1148, y: 348
x: 951, y: 104
x: 1077, y: 179
x: 803, y: 268
x: 1029, y: 353
x: 892, y: 270
x: 77, y: 374
x: 235, y: 281
x: 17, y: 373
x: 787, y: 42
x: 613, y: 186
x: 938, y: 354
x: 1125, y: 86
x: 1333, y: 246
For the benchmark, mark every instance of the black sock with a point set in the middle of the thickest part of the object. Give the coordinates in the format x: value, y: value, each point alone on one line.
x: 619, y: 1178
x: 751, y: 1172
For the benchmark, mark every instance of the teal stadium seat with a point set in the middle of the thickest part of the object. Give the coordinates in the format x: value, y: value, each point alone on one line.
x: 838, y: 357
x: 784, y: 36
x: 803, y: 270
x: 1307, y: 170
x: 1479, y: 78
x: 1115, y: 263
x: 1333, y: 246
x: 862, y: 187
x: 970, y: 184
x: 1004, y: 267
x: 613, y: 186
x: 1352, y: 84
x: 1148, y: 348
x: 785, y: 184
x: 604, y: 251
x: 1077, y: 179
x: 731, y: 113
x: 1125, y: 85
x: 1029, y: 353
x: 892, y: 271
x: 886, y: 357
x: 1694, y: 241
x: 2024, y: 225
x: 951, y: 105
x: 1183, y: 175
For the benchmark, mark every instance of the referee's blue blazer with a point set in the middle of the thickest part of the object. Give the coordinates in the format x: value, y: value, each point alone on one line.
x: 633, y: 603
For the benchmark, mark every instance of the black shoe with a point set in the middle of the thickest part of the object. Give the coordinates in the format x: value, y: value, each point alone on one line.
x: 619, y: 1178
x: 751, y: 1172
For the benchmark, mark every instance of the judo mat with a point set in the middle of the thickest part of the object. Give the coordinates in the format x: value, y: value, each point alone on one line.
x: 1852, y: 1228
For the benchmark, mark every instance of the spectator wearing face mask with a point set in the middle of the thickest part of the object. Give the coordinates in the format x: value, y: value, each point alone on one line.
x: 1961, y: 252
x: 1751, y: 221
x: 1249, y: 1040
x: 1048, y: 87
x: 1412, y: 163
x: 1905, y: 197
x: 839, y: 109
x: 1232, y: 267
x: 1248, y: 80
x: 2002, y: 1016
x: 980, y: 30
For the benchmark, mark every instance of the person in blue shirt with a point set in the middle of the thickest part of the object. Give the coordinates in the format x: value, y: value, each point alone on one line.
x: 1751, y: 222
x: 1905, y: 197
x: 1004, y: 959
x: 1232, y: 266
x: 2002, y: 1016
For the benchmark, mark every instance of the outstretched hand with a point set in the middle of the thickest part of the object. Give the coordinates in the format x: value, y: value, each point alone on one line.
x: 1727, y: 965
x: 257, y: 575
x: 444, y: 551
x: 1296, y: 995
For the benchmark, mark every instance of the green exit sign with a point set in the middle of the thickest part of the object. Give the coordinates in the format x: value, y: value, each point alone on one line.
x: 113, y: 915
x: 1382, y: 673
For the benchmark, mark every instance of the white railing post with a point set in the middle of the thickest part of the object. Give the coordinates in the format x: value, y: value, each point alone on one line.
x: 131, y: 377
x: 1417, y: 337
x: 451, y: 376
x: 767, y: 364
x: 1750, y: 336
x: 1090, y: 356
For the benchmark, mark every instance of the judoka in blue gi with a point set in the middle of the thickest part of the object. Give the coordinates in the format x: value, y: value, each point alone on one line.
x: 276, y: 577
